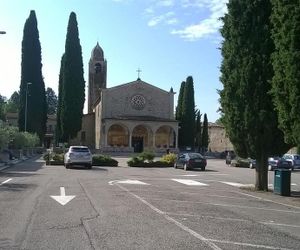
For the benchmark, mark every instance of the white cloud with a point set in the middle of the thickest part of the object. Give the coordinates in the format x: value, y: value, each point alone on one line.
x: 165, y: 3
x: 206, y: 27
x: 164, y: 18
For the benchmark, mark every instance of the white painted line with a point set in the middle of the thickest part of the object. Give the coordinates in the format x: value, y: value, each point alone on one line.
x: 3, y: 182
x: 229, y: 205
x: 183, y: 227
x: 189, y: 175
x: 134, y: 182
x: 190, y: 182
x: 248, y: 245
x: 279, y: 224
x: 236, y: 184
x: 259, y: 198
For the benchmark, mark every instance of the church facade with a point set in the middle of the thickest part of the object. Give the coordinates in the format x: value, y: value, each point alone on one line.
x: 131, y: 117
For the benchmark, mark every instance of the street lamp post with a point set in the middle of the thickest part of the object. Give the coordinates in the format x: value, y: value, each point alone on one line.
x: 25, y: 125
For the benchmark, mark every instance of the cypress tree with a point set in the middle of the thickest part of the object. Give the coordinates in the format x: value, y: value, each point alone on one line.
x: 188, y: 114
x: 58, y: 132
x: 178, y: 114
x: 73, y: 83
x: 246, y: 72
x: 198, y: 141
x: 205, y: 138
x: 286, y: 63
x: 31, y: 72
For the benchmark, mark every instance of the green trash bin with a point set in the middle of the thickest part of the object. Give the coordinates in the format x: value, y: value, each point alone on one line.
x: 282, y: 182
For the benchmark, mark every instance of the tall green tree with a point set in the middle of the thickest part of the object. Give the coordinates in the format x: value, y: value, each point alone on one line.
x: 198, y: 127
x: 73, y: 83
x: 178, y: 114
x: 58, y: 133
x: 250, y: 119
x: 13, y: 103
x: 188, y: 114
x: 32, y: 83
x: 286, y: 63
x: 2, y: 107
x: 205, y: 137
x: 51, y: 101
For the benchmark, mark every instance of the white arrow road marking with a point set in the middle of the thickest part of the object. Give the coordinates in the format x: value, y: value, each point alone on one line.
x: 190, y: 182
x: 63, y: 199
x: 3, y: 182
x: 235, y: 184
x: 134, y: 182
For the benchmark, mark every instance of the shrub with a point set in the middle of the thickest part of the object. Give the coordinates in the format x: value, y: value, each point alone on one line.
x: 169, y: 158
x: 146, y: 156
x: 104, y: 160
x: 134, y: 161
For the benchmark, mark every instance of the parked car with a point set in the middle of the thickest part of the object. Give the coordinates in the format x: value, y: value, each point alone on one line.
x: 78, y: 155
x: 294, y: 159
x: 243, y: 163
x: 190, y: 161
x: 278, y: 163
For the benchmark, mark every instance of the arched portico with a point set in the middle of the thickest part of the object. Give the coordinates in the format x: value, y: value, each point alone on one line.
x: 165, y: 137
x: 141, y: 138
x: 118, y: 135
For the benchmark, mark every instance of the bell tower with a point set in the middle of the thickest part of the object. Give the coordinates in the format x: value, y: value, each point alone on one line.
x: 97, y: 76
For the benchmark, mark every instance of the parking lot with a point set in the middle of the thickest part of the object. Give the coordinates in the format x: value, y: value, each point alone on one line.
x: 147, y: 208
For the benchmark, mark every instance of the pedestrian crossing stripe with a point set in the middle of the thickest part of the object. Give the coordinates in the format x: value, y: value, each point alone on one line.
x: 134, y: 182
x: 235, y: 184
x: 190, y: 182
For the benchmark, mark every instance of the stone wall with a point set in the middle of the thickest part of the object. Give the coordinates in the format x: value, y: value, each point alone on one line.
x: 218, y: 141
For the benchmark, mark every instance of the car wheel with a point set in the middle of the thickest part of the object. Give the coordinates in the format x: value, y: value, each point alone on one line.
x: 270, y: 168
x: 67, y: 165
x: 203, y: 168
x: 185, y: 167
x: 175, y: 165
x: 89, y: 166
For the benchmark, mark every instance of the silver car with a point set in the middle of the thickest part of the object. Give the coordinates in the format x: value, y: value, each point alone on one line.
x: 294, y: 159
x: 78, y: 155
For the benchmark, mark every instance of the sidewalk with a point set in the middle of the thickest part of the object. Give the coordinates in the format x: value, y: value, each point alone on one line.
x: 4, y: 165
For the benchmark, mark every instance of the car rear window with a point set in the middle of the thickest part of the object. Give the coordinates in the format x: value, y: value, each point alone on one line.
x: 79, y: 149
x: 195, y: 155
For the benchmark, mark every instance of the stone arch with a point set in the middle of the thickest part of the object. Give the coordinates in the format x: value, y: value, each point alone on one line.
x: 118, y: 135
x: 142, y: 138
x: 165, y: 137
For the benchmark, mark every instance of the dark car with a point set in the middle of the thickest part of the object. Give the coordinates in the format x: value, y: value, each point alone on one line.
x: 278, y: 162
x: 190, y: 161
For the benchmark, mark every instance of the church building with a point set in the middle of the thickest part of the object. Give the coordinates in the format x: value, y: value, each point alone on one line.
x: 131, y: 117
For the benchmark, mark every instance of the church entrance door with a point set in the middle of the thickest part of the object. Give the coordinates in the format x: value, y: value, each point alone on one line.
x: 138, y: 144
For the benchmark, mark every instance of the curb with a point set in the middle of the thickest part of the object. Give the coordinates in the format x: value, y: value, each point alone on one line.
x: 12, y: 163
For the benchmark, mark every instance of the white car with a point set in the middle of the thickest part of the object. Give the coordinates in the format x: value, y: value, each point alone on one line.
x: 78, y: 155
x: 294, y: 159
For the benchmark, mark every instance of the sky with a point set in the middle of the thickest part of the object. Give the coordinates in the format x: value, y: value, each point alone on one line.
x: 168, y: 40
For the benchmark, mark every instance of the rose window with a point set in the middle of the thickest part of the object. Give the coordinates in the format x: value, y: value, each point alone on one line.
x: 138, y: 102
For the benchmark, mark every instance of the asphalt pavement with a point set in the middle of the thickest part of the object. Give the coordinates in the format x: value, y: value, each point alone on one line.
x: 50, y: 207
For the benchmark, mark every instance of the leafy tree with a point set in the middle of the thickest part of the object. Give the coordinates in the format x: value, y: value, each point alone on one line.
x: 31, y: 72
x: 58, y: 132
x: 51, y: 101
x: 198, y: 141
x: 13, y: 103
x: 2, y: 107
x: 188, y: 114
x: 73, y: 83
x: 246, y: 72
x: 178, y: 114
x: 205, y: 138
x: 286, y: 62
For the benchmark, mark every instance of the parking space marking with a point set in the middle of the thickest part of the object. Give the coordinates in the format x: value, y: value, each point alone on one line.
x: 248, y: 244
x: 3, y: 182
x: 190, y: 182
x: 229, y: 205
x: 133, y: 182
x: 259, y: 198
x: 177, y: 223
